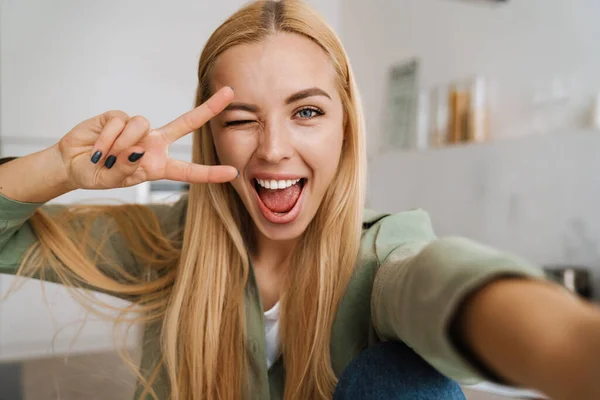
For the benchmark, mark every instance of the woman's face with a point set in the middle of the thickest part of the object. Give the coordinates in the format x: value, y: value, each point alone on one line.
x: 283, y: 131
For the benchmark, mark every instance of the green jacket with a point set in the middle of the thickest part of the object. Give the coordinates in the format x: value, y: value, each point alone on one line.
x: 406, y: 286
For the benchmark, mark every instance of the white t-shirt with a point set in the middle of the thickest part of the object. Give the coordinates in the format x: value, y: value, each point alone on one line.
x: 272, y: 334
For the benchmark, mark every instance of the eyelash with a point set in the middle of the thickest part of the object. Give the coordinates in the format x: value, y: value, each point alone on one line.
x: 318, y: 112
x: 240, y: 122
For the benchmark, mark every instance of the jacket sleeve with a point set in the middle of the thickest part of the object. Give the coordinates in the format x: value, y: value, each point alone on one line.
x: 421, y: 282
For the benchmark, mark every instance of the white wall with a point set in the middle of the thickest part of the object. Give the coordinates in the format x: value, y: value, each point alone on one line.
x: 520, y: 45
x: 66, y: 60
x: 535, y: 196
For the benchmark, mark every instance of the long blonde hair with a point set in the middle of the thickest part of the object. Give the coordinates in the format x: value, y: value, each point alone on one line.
x: 194, y: 283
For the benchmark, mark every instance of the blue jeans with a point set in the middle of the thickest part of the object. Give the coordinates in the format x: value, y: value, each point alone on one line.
x: 390, y: 371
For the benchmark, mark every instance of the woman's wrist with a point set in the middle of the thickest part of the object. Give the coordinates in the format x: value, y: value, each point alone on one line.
x: 35, y: 178
x: 56, y: 174
x: 59, y: 170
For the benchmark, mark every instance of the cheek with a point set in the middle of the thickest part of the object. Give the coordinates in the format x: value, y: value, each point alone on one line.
x: 331, y: 159
x: 322, y: 152
x: 232, y: 149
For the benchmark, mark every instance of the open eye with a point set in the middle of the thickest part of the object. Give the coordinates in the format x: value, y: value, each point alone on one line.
x: 309, y: 113
x: 239, y: 122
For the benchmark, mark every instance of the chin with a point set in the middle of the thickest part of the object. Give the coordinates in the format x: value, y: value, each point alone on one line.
x: 281, y: 232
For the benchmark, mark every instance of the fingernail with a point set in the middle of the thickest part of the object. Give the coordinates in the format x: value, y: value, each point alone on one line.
x: 231, y: 89
x: 110, y: 161
x: 96, y: 157
x: 135, y: 156
x: 238, y: 175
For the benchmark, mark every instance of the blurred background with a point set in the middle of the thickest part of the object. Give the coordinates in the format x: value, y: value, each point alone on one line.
x: 484, y: 113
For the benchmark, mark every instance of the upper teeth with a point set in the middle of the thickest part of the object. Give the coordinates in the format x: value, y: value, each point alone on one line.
x: 273, y: 184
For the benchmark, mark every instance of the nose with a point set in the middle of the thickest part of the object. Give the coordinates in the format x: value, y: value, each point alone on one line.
x: 274, y: 143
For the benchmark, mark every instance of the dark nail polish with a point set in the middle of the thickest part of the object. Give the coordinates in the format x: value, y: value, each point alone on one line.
x: 110, y: 161
x: 133, y: 157
x: 96, y: 157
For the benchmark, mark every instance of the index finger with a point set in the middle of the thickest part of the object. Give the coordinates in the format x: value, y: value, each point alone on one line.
x: 194, y: 119
x: 182, y: 171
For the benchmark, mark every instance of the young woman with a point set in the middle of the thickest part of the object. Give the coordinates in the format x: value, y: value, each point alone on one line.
x: 269, y: 280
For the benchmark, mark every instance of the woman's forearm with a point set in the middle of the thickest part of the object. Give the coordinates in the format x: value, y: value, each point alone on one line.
x: 535, y: 334
x: 35, y: 178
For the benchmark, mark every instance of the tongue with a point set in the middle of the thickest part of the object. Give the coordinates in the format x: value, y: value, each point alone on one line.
x: 280, y: 200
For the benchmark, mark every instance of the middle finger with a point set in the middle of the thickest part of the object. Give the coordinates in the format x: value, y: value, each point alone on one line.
x: 194, y: 119
x: 135, y: 130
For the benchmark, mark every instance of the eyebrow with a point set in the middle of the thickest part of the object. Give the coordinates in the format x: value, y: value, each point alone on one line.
x: 303, y: 94
x: 315, y: 91
x: 242, y: 107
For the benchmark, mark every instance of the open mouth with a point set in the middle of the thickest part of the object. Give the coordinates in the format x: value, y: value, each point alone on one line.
x: 279, y: 200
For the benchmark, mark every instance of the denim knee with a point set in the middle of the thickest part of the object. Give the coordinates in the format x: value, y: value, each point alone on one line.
x: 392, y: 370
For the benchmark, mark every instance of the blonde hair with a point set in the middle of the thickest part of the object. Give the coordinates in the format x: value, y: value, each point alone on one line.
x: 194, y: 282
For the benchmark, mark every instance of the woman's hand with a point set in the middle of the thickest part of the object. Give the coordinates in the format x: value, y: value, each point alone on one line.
x: 113, y: 150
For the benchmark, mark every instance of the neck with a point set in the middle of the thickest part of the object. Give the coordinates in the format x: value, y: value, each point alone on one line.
x: 272, y: 255
x: 271, y: 260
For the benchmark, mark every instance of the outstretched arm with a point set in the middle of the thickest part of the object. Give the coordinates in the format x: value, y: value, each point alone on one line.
x: 475, y: 313
x: 534, y: 334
